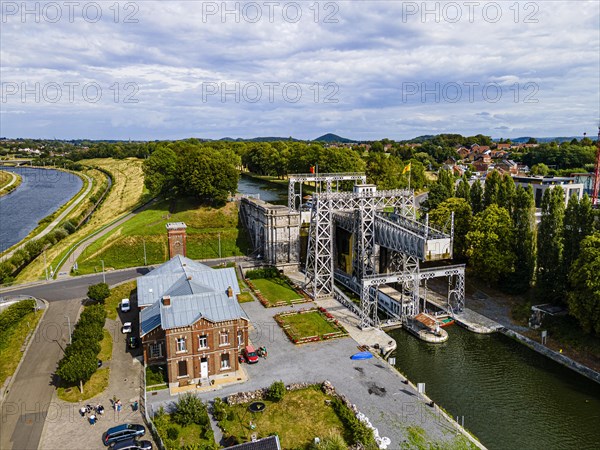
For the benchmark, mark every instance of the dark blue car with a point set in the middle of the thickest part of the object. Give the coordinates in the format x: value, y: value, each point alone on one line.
x: 122, y: 433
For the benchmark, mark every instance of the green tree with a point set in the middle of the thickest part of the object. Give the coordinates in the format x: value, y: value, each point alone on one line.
x: 584, y: 297
x: 276, y: 391
x: 540, y: 169
x: 507, y: 192
x: 578, y: 224
x: 476, y: 196
x: 190, y: 409
x: 463, y: 190
x: 491, y: 193
x: 550, y: 279
x: 440, y: 218
x: 98, y: 292
x: 524, y: 240
x: 160, y: 171
x: 78, y: 368
x: 490, y: 244
x: 384, y: 170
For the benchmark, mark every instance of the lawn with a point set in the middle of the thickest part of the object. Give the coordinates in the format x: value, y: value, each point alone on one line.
x: 106, y: 346
x: 12, y: 339
x: 298, y: 418
x: 245, y: 297
x: 111, y: 304
x: 275, y: 290
x: 94, y: 386
x: 206, y: 227
x: 176, y: 436
x: 308, y: 324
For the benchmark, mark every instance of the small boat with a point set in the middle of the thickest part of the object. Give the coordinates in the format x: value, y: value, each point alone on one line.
x: 362, y: 355
x: 446, y: 321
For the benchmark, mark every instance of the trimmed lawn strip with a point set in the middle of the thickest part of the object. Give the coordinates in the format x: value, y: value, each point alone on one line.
x: 12, y: 341
x: 245, y: 297
x: 5, y: 179
x: 94, y: 386
x: 111, y: 304
x: 310, y: 326
x: 297, y: 419
x: 273, y: 292
x: 106, y: 346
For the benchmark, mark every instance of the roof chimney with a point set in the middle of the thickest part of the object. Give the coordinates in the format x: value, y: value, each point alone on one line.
x: 189, y: 277
x: 166, y: 300
x: 230, y: 292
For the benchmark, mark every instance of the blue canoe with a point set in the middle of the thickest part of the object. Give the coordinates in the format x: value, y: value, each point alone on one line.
x: 362, y: 355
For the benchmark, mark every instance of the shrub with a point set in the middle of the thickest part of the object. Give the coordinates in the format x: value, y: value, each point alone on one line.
x: 276, y: 391
x: 172, y: 433
x: 265, y: 272
x: 359, y: 432
x: 98, y: 292
x: 190, y: 409
x: 219, y: 409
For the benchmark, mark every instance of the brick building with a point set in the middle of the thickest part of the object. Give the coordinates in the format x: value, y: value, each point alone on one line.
x: 191, y: 321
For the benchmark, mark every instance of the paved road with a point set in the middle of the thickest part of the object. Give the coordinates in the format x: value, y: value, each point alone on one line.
x: 13, y: 181
x: 29, y: 401
x: 60, y: 217
x: 76, y: 287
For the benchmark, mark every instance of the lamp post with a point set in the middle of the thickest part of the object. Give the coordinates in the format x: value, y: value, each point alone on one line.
x: 145, y: 261
x: 219, y: 245
x: 69, y: 324
x: 103, y: 275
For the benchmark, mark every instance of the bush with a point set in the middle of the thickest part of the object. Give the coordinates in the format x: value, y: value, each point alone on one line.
x: 276, y: 391
x: 98, y: 292
x: 359, y: 432
x: 265, y: 272
x: 190, y: 409
x: 219, y: 409
x: 172, y: 433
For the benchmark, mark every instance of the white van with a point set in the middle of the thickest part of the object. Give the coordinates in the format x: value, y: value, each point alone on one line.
x: 125, y: 305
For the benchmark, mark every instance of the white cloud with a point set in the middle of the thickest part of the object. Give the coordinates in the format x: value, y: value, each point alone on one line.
x: 374, y: 55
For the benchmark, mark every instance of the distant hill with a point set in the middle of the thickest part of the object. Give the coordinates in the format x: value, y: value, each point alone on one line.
x: 330, y: 137
x: 260, y: 139
x: 542, y: 140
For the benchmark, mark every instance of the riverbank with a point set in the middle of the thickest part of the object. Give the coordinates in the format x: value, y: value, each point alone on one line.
x: 9, y: 181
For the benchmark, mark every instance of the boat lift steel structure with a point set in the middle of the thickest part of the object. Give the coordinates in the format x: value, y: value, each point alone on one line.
x: 366, y: 213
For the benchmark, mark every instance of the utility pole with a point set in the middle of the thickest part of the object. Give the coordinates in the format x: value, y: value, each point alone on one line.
x: 219, y: 245
x: 103, y: 275
x: 69, y: 323
x: 45, y: 266
x: 145, y: 262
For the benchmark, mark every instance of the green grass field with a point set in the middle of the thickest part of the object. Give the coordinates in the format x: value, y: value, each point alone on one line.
x: 106, y: 346
x: 297, y: 419
x: 275, y: 290
x: 94, y: 386
x: 11, y: 342
x: 124, y: 246
x: 308, y: 324
x: 188, y: 435
x: 111, y: 304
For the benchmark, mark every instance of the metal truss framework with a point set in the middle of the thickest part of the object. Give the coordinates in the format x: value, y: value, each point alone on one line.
x: 295, y: 198
x: 367, y: 215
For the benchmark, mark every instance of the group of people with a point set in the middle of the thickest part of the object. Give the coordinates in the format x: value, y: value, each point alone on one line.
x: 92, y: 412
x: 262, y: 351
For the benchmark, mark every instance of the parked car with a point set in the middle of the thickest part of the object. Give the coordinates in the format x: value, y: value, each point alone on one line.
x: 132, y: 444
x: 124, y: 432
x: 250, y: 354
x: 125, y: 305
x: 133, y: 342
x: 126, y: 328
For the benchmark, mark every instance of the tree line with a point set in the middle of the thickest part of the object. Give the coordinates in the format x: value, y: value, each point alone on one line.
x: 495, y: 232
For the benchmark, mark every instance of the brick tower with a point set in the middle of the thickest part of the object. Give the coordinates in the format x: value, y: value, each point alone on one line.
x: 177, y: 238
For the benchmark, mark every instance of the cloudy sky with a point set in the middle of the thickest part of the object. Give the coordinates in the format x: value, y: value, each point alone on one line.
x: 362, y: 69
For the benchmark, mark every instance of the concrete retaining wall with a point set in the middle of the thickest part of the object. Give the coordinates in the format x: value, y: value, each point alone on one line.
x: 558, y: 357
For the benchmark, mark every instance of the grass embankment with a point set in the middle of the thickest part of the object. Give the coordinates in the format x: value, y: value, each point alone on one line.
x: 126, y: 193
x: 297, y: 419
x: 417, y: 439
x: 97, y: 383
x: 111, y: 304
x: 17, y: 321
x: 124, y: 246
x: 6, y: 178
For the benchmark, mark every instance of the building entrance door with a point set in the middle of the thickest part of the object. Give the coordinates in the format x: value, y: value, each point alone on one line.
x: 203, y: 367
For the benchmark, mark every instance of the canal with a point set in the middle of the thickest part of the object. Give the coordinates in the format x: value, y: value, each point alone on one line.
x: 42, y: 191
x: 269, y: 192
x: 510, y: 396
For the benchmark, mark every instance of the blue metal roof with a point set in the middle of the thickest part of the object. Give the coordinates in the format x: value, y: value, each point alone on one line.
x: 149, y: 319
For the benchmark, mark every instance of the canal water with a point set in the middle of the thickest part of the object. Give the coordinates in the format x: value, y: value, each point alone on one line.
x: 42, y: 191
x: 510, y: 396
x: 269, y: 192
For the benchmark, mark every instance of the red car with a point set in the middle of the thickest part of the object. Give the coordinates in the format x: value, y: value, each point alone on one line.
x: 250, y: 354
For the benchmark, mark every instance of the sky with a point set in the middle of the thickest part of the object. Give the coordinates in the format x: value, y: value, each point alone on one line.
x: 148, y: 70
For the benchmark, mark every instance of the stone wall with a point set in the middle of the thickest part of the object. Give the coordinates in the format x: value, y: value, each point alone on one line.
x: 558, y: 357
